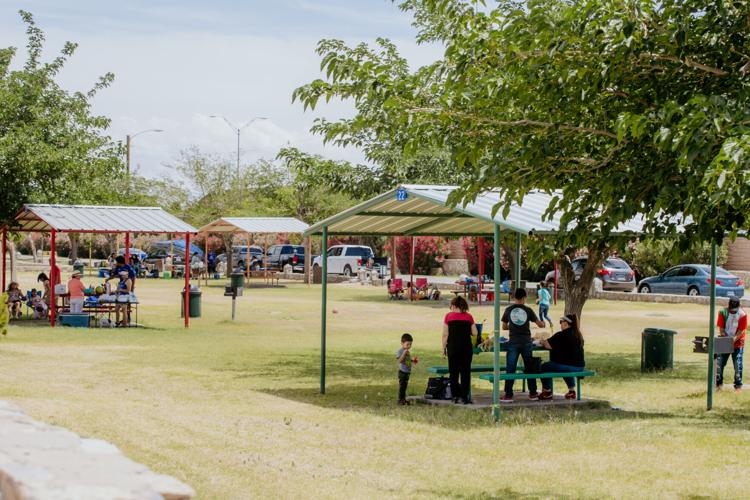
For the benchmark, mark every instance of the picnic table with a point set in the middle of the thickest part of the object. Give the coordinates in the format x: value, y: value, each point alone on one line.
x: 484, y: 289
x: 97, y: 309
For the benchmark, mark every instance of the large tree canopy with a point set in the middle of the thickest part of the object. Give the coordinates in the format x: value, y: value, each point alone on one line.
x: 52, y: 149
x: 622, y: 108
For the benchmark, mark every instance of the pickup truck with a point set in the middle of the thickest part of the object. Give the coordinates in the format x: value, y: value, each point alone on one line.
x: 281, y: 255
x: 345, y: 259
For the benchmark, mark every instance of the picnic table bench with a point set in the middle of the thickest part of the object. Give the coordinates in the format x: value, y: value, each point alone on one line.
x: 443, y: 370
x: 550, y: 375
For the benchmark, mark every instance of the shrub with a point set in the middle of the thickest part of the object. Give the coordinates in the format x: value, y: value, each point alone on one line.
x: 429, y: 252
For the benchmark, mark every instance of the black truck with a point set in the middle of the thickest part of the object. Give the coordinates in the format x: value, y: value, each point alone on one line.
x: 281, y: 255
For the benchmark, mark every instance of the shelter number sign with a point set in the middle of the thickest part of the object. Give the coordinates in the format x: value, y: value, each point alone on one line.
x: 401, y: 194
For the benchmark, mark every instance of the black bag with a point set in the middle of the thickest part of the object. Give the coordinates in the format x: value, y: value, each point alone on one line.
x: 534, y: 367
x: 438, y: 388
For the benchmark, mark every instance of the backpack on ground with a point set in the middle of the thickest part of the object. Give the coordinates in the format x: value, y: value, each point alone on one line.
x: 438, y: 388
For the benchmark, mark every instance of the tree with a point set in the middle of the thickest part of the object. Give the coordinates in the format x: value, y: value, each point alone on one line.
x: 52, y: 149
x: 618, y: 108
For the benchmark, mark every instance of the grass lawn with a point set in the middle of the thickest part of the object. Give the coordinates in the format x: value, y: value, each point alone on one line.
x: 232, y: 407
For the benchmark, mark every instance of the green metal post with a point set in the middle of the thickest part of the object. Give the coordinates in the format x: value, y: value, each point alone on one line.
x: 496, y: 328
x: 712, y: 331
x: 518, y: 260
x: 324, y: 305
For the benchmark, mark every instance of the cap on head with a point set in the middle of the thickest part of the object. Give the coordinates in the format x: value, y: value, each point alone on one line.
x: 734, y: 302
x: 76, y: 274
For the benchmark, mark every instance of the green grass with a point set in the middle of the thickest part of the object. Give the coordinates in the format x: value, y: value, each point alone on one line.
x: 233, y: 408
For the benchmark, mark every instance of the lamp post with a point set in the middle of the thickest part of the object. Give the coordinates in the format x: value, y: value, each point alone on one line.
x: 128, y: 139
x: 238, y: 130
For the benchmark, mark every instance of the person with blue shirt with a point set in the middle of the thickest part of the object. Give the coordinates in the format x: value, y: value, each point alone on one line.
x: 543, y: 299
x: 121, y: 265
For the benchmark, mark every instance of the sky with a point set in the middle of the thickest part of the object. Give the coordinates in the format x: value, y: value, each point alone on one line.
x: 176, y: 63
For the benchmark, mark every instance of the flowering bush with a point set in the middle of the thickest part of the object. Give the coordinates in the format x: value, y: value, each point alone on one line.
x: 429, y: 252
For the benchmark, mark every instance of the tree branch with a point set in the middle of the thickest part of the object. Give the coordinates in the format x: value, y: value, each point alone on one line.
x: 687, y: 62
x: 515, y: 123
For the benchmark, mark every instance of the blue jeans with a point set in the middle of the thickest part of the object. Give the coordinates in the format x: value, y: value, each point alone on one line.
x: 736, y: 361
x: 516, y: 349
x: 544, y: 312
x: 552, y: 367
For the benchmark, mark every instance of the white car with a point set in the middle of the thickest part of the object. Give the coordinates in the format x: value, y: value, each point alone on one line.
x: 345, y: 259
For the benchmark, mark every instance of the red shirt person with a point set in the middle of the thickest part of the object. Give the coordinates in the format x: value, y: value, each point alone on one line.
x: 732, y: 322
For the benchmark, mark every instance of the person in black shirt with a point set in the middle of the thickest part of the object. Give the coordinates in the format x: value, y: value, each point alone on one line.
x: 517, y: 320
x: 566, y: 355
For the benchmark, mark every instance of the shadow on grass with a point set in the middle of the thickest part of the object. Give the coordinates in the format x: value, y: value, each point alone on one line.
x: 359, y: 382
x: 627, y: 367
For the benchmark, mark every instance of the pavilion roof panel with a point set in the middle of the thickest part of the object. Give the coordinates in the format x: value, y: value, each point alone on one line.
x: 374, y: 216
x: 256, y: 225
x: 99, y: 219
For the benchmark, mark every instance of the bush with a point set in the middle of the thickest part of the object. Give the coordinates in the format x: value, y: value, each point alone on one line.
x: 429, y: 252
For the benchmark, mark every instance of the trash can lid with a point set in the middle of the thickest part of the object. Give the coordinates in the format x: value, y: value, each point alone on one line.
x: 658, y: 331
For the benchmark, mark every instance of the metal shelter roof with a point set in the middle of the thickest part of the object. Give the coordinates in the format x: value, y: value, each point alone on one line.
x: 99, y: 219
x: 422, y: 210
x: 255, y: 225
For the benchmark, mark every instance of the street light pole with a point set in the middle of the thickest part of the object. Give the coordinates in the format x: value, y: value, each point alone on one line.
x: 128, y: 139
x: 238, y: 130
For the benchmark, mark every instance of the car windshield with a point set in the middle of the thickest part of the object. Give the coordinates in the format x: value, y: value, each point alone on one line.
x: 720, y: 271
x: 616, y: 264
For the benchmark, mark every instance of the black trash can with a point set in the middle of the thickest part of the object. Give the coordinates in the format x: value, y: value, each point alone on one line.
x: 78, y: 267
x: 238, y: 280
x: 194, y: 303
x: 657, y: 349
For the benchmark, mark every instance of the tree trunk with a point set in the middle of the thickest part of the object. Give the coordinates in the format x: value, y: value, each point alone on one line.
x: 511, y: 257
x: 228, y: 237
x: 12, y: 249
x: 577, y: 290
x: 74, y: 238
x: 33, y: 248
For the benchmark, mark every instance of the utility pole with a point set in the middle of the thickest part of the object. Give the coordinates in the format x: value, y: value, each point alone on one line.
x: 238, y: 130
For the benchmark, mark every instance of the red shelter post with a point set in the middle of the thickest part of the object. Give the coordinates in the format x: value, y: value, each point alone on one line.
x: 205, y: 258
x: 4, y: 250
x: 411, y: 270
x: 53, y: 279
x: 187, y: 281
x: 127, y: 248
x: 480, y: 241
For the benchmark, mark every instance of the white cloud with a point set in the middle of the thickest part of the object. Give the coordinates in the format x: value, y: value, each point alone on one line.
x: 175, y: 79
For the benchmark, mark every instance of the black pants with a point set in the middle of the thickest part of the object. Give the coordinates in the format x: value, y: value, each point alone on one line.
x: 403, y: 382
x: 459, y: 366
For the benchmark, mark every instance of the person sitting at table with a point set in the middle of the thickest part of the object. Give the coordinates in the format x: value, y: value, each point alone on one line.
x: 75, y: 289
x: 458, y: 329
x: 566, y: 355
x: 15, y: 300
x: 122, y: 305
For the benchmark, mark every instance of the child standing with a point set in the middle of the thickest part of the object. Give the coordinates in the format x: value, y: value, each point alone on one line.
x: 404, y: 367
x: 543, y: 298
x: 732, y: 322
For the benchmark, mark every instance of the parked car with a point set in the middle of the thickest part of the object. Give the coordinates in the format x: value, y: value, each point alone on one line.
x: 346, y: 259
x: 615, y: 274
x: 134, y: 251
x: 239, y: 256
x: 281, y: 255
x: 694, y: 280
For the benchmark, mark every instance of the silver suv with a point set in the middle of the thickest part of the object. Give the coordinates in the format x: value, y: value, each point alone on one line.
x: 615, y: 273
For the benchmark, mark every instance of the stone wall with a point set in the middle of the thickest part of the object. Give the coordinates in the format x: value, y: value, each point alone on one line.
x: 41, y: 462
x: 661, y: 298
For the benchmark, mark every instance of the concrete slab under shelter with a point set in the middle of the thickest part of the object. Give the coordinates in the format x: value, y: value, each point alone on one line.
x: 521, y: 401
